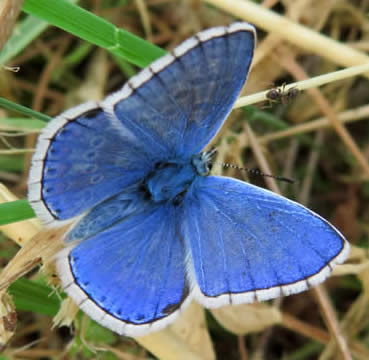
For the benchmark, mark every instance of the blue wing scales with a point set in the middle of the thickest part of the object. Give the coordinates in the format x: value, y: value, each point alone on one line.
x: 88, y: 159
x: 186, y: 102
x: 129, y: 276
x: 250, y: 244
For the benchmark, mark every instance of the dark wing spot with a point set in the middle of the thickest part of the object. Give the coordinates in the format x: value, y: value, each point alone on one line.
x: 91, y: 113
x: 171, y: 308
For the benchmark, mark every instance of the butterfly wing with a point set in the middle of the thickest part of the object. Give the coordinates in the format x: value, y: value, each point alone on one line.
x: 169, y: 110
x: 128, y: 273
x: 83, y: 157
x: 250, y: 244
x: 180, y: 101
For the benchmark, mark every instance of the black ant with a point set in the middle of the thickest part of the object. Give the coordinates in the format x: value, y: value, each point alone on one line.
x: 279, y: 94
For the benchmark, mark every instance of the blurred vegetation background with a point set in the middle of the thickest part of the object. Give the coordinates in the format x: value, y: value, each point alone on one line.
x: 54, y: 55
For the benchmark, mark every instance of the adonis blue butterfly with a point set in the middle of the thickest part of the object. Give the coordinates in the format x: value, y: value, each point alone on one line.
x: 152, y: 229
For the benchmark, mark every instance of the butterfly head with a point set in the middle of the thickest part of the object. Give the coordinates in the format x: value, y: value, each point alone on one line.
x: 170, y: 180
x: 203, y: 162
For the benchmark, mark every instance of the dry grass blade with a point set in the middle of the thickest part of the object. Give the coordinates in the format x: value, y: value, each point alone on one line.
x: 272, y: 184
x: 306, y: 84
x: 331, y: 321
x: 328, y: 111
x: 296, y: 34
x: 360, y: 113
x: 9, y: 10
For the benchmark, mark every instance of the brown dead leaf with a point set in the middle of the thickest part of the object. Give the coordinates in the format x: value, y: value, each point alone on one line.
x: 36, y: 247
x: 8, y: 318
x: 191, y: 327
x: 66, y: 314
x: 42, y: 247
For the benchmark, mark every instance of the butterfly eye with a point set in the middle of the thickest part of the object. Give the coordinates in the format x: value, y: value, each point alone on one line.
x: 201, y: 163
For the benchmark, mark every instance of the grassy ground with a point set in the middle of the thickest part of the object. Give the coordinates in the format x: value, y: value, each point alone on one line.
x: 320, y: 138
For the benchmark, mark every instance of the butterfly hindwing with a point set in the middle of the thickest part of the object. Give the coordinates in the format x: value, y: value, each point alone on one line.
x: 250, y: 244
x: 130, y: 276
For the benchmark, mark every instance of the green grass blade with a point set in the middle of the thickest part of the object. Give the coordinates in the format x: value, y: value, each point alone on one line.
x: 254, y: 114
x: 94, y: 29
x: 7, y: 104
x: 21, y: 124
x: 127, y: 69
x: 11, y: 163
x: 34, y: 296
x: 24, y: 33
x: 14, y: 211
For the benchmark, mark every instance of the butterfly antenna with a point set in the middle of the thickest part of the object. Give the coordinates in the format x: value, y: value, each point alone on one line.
x: 210, y: 153
x: 256, y: 172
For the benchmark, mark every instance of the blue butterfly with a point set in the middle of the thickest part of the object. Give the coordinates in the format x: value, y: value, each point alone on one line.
x: 152, y: 230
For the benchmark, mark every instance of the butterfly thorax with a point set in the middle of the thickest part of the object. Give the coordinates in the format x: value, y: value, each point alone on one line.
x: 170, y: 180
